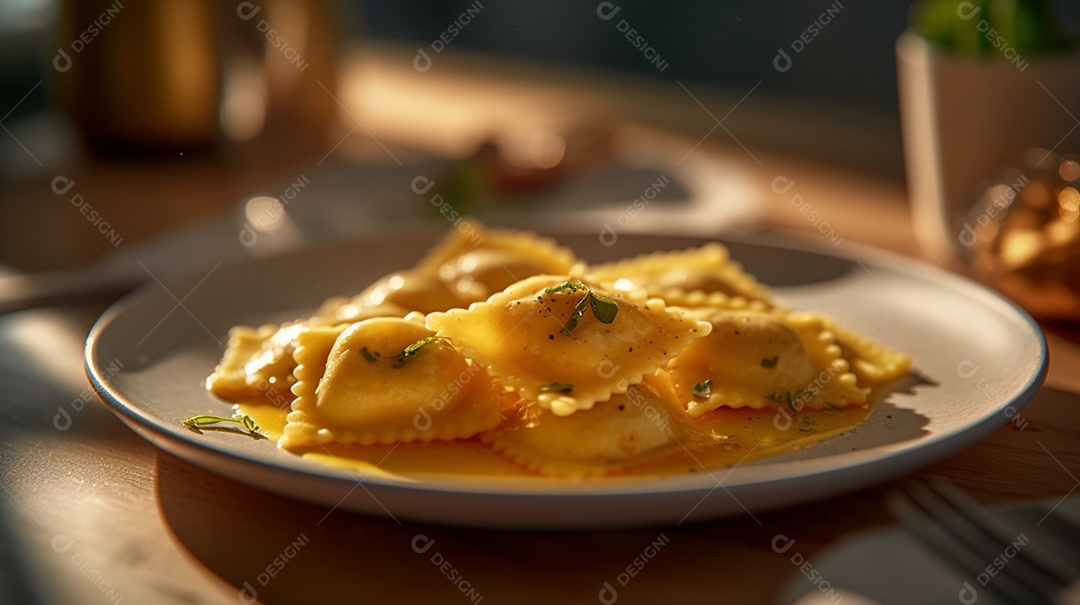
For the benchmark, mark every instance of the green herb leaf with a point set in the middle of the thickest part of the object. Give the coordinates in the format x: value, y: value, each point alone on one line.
x: 791, y: 399
x: 703, y: 389
x: 207, y: 421
x: 603, y: 308
x: 769, y: 362
x: 567, y: 287
x: 368, y: 355
x: 557, y: 387
x: 575, y: 317
x: 832, y: 409
x: 410, y: 351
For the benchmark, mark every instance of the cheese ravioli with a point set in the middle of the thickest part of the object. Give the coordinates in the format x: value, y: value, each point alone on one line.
x: 478, y: 261
x: 708, y: 268
x: 385, y: 380
x: 505, y: 339
x: 757, y: 359
x: 257, y: 362
x: 627, y: 430
x: 540, y: 339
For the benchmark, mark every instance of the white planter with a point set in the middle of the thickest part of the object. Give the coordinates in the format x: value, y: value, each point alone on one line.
x: 964, y: 118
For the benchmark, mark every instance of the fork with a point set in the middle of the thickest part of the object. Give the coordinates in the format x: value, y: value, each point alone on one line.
x: 987, y: 550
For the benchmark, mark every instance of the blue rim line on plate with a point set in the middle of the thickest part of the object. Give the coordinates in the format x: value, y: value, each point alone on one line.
x: 756, y: 486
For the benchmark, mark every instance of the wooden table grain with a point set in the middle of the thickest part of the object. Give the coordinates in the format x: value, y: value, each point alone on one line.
x: 91, y: 513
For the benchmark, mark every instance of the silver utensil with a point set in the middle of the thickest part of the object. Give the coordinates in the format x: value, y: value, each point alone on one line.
x: 1039, y: 564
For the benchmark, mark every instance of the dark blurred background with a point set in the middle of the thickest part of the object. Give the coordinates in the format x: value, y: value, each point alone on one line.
x: 730, y: 43
x: 727, y: 45
x: 836, y: 104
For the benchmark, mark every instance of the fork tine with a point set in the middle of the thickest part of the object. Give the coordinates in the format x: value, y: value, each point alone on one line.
x: 1034, y: 556
x: 963, y: 559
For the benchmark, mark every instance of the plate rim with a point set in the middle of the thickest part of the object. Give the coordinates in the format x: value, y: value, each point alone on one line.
x: 919, y: 452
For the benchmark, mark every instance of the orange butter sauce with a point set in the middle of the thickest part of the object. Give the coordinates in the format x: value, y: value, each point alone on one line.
x: 739, y: 436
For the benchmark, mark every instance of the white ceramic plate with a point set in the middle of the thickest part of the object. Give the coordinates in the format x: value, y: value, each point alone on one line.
x: 978, y: 360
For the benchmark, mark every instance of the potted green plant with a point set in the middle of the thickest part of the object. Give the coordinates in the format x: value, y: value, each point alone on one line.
x: 980, y: 81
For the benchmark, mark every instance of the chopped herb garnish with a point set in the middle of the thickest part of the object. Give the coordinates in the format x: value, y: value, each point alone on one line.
x: 557, y: 387
x: 832, y: 409
x: 206, y: 421
x: 575, y: 317
x: 410, y: 351
x: 603, y: 308
x: 567, y: 287
x: 703, y: 389
x: 769, y: 362
x: 792, y: 400
x: 368, y: 355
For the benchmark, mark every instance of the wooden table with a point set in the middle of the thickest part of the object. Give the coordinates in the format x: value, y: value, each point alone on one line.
x: 93, y: 514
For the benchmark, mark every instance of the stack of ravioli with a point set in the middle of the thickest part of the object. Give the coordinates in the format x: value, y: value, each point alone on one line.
x: 567, y: 368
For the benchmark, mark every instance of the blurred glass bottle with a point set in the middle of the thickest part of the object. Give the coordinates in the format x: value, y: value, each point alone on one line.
x: 167, y: 75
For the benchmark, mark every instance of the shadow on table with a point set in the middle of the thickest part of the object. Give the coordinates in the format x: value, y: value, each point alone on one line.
x: 279, y: 550
x: 285, y: 551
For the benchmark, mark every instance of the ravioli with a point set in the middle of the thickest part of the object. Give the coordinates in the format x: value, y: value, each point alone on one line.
x: 394, y: 295
x: 363, y: 384
x: 501, y: 343
x: 478, y: 261
x: 699, y: 299
x: 757, y: 359
x: 257, y: 361
x: 629, y: 429
x: 708, y: 268
x: 872, y: 362
x: 526, y: 338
